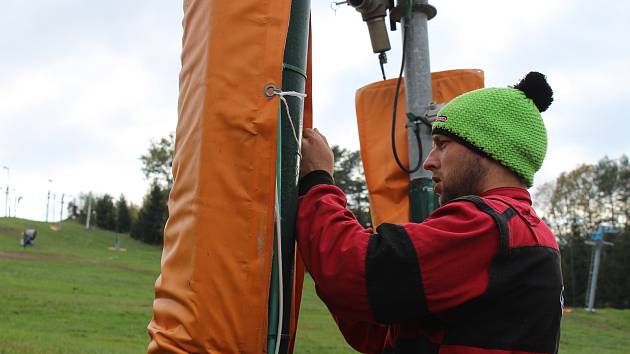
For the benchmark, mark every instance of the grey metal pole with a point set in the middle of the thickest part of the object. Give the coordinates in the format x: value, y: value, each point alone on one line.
x: 54, y: 204
x: 89, y: 211
x: 593, y: 286
x: 6, y: 202
x: 61, y: 212
x: 6, y: 198
x: 17, y: 202
x: 418, y: 96
x: 47, y: 205
x: 48, y: 199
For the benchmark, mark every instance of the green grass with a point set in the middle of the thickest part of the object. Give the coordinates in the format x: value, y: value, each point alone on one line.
x: 605, y: 331
x: 317, y: 331
x: 70, y: 294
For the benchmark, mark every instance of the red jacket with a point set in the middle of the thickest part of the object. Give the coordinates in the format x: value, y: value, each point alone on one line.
x: 480, y: 275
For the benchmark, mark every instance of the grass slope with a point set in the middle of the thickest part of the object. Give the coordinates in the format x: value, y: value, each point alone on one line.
x: 70, y: 294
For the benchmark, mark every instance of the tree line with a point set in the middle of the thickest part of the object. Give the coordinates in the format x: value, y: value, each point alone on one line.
x: 105, y: 213
x: 574, y: 205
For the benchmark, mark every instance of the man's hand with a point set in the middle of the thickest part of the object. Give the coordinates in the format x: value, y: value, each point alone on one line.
x: 316, y: 154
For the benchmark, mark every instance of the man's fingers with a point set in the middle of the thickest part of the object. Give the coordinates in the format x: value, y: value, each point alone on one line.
x: 321, y: 135
x: 313, y: 135
x: 308, y: 133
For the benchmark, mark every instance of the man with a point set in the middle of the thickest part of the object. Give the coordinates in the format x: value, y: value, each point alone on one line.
x: 480, y: 275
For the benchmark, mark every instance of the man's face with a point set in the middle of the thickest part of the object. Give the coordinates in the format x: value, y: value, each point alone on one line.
x: 457, y: 170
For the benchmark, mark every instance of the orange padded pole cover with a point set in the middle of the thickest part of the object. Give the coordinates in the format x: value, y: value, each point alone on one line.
x: 212, y: 294
x: 388, y: 185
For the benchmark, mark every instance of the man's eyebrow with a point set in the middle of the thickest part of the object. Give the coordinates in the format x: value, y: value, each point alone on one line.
x: 439, y: 139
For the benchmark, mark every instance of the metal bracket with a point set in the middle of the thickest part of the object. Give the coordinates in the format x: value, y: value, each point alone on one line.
x: 398, y: 12
x: 431, y: 112
x: 295, y: 69
x: 335, y: 5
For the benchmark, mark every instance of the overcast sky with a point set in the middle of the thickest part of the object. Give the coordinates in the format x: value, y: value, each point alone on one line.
x: 85, y: 86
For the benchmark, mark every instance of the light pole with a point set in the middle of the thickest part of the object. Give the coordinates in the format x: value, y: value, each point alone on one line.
x: 17, y: 202
x: 54, y: 204
x: 48, y: 199
x: 89, y: 212
x: 6, y: 200
x: 61, y: 211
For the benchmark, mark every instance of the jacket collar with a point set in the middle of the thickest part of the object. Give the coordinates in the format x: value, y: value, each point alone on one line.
x: 520, y: 194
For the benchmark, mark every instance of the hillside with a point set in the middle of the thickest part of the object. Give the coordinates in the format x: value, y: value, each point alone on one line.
x: 72, y: 294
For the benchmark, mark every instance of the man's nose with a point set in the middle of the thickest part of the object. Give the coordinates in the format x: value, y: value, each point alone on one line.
x: 431, y: 162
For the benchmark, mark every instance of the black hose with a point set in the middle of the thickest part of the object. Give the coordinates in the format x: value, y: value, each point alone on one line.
x: 415, y: 127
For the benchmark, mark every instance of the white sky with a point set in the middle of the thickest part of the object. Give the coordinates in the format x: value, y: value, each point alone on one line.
x: 85, y: 86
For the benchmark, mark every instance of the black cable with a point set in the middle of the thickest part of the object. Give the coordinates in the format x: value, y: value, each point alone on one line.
x: 415, y: 128
x: 382, y: 59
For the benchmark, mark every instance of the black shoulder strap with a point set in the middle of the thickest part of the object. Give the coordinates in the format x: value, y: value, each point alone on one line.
x: 500, y: 219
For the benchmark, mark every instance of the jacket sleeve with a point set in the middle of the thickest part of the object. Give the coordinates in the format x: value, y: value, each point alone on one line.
x: 334, y: 263
x: 401, y: 272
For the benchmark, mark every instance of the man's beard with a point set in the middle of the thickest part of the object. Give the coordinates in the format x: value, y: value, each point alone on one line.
x: 466, y: 180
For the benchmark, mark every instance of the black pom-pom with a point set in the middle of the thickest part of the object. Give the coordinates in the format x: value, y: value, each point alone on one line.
x: 536, y: 88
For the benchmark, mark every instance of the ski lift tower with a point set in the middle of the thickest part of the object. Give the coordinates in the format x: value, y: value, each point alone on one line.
x: 598, y: 243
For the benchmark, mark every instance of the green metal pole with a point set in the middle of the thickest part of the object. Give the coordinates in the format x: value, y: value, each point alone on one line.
x: 422, y: 199
x: 293, y: 79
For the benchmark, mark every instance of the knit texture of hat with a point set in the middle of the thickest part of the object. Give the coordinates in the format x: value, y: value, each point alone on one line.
x: 503, y: 123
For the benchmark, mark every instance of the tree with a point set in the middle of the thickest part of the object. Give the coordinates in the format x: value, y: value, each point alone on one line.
x: 572, y: 204
x: 73, y: 210
x: 152, y: 217
x: 582, y: 200
x: 105, y: 213
x: 349, y: 176
x: 82, y: 204
x: 123, y: 217
x: 614, y: 283
x: 157, y: 163
x: 157, y: 167
x: 624, y: 190
x: 134, y: 211
x: 606, y: 179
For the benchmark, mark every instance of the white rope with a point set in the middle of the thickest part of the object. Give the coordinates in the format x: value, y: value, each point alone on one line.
x: 299, y: 95
x: 290, y: 93
x: 279, y: 255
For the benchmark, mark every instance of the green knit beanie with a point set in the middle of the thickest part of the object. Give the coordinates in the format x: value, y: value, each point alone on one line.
x: 502, y: 123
